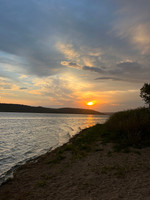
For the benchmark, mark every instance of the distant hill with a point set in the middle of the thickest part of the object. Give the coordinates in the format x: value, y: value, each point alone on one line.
x: 31, y: 109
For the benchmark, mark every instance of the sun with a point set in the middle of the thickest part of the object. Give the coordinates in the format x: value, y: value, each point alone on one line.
x: 90, y: 103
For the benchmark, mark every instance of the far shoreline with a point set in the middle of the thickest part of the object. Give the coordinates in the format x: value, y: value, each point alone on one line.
x: 55, y: 113
x: 32, y: 109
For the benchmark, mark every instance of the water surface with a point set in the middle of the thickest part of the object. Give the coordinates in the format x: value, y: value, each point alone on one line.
x: 27, y: 135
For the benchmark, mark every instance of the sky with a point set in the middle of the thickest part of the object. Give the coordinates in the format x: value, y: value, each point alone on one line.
x: 65, y: 53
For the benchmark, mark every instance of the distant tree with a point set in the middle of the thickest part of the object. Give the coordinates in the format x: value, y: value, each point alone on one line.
x: 145, y: 93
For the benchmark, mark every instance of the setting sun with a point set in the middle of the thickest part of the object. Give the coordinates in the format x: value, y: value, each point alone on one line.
x: 90, y: 103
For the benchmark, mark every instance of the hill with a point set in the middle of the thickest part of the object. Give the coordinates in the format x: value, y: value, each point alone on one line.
x: 31, y: 109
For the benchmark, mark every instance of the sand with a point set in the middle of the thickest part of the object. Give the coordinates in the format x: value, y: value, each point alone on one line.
x: 100, y: 175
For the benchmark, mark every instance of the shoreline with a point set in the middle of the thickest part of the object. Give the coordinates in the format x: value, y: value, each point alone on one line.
x: 10, y: 173
x: 59, y: 174
x: 6, y: 171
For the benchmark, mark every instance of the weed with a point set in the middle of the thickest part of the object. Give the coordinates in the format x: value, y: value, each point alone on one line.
x: 137, y: 152
x: 128, y: 128
x: 58, y: 157
x: 41, y: 183
x: 98, y: 149
x: 109, y: 153
x: 117, y: 170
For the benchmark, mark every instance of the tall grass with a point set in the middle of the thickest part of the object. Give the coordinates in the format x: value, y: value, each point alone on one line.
x: 128, y: 128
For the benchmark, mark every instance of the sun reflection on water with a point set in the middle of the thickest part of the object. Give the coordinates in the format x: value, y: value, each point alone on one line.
x: 90, y: 120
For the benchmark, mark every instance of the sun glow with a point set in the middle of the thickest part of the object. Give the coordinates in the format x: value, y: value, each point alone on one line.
x: 90, y: 103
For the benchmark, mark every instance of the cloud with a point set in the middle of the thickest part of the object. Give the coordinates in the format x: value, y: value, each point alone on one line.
x: 133, y: 24
x: 140, y: 37
x: 23, y: 88
x: 129, y: 66
x: 71, y: 64
x: 68, y: 50
x: 64, y: 89
x: 121, y: 79
x: 109, y: 78
x: 41, y: 40
x: 32, y: 31
x: 122, y: 67
x: 93, y: 69
x: 23, y: 76
x: 6, y: 84
x: 128, y: 71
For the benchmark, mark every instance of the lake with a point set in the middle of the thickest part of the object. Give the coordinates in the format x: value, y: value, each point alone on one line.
x: 27, y: 135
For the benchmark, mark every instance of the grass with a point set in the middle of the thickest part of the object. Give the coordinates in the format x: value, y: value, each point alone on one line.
x: 79, y: 145
x: 125, y: 129
x: 128, y: 128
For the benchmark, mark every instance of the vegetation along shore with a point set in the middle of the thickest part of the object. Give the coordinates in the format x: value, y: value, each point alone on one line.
x: 107, y: 161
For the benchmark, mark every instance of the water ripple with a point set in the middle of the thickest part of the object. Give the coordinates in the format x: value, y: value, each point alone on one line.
x: 27, y: 135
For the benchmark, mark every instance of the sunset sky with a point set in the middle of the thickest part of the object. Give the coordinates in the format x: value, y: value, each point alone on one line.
x: 65, y: 53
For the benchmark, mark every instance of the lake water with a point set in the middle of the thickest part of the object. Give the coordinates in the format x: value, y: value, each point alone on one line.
x: 27, y: 135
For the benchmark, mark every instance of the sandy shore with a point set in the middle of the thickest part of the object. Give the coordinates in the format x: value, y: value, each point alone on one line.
x: 102, y: 174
